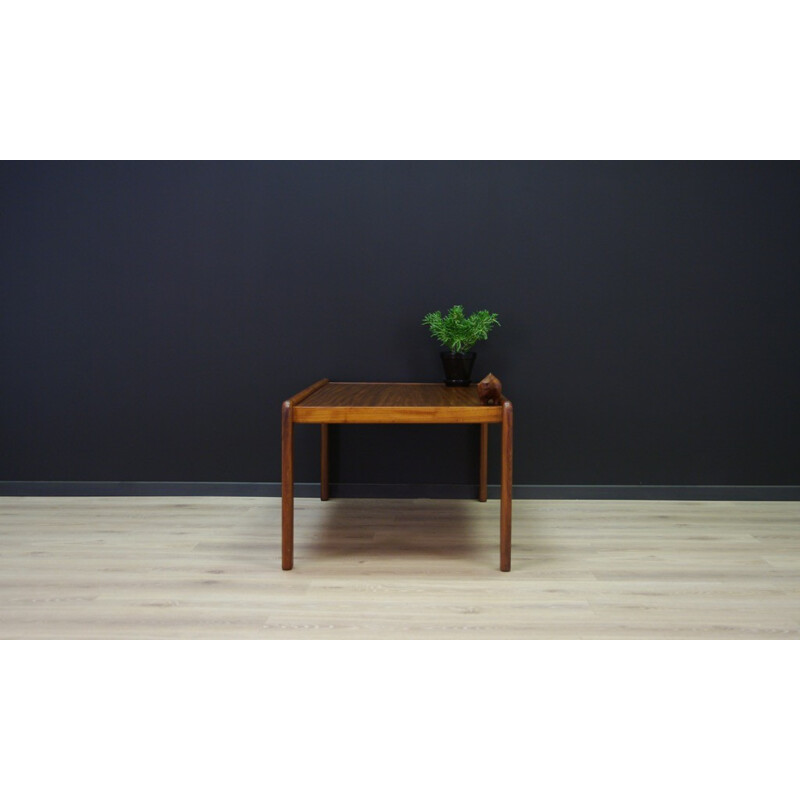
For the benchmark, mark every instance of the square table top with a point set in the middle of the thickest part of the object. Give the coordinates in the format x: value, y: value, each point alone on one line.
x: 392, y: 402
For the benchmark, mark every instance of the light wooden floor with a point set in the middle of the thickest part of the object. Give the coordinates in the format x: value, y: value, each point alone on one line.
x: 184, y: 568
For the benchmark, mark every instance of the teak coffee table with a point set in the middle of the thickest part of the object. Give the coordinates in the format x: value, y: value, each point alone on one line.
x: 326, y: 403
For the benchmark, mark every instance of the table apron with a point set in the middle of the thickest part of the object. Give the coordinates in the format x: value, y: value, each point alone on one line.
x: 398, y: 415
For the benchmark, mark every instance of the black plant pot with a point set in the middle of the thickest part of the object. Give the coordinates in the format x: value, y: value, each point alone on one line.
x: 457, y: 367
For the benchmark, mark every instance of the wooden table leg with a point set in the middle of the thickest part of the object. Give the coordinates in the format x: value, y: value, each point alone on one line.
x: 505, y: 487
x: 287, y: 487
x: 482, y: 486
x: 324, y: 485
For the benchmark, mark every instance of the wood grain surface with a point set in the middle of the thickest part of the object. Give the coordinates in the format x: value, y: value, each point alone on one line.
x: 483, y: 469
x: 209, y: 568
x: 506, y: 484
x: 309, y: 390
x: 287, y: 484
x: 324, y: 459
x: 395, y: 403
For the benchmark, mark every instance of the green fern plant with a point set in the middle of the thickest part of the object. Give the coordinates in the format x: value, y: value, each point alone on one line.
x: 457, y: 332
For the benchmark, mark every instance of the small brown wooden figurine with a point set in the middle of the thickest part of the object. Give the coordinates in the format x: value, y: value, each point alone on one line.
x: 489, y: 390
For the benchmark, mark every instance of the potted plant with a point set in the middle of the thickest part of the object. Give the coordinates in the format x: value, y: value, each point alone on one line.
x: 458, y: 334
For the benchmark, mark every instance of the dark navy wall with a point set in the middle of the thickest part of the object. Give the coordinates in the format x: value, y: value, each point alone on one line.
x: 154, y: 315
